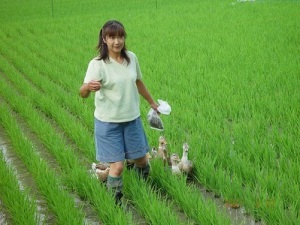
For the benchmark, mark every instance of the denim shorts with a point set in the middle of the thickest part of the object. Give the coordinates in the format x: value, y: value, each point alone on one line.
x: 119, y: 141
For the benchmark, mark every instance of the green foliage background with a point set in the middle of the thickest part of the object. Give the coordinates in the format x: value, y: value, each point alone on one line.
x: 229, y: 70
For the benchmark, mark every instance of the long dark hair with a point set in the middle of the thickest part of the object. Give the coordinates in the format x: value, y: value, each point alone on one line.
x: 111, y: 28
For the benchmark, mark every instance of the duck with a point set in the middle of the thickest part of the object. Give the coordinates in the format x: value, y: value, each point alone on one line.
x: 102, y: 174
x: 162, y: 151
x: 162, y: 146
x: 185, y: 165
x: 153, y: 152
x: 174, y: 164
x: 101, y: 170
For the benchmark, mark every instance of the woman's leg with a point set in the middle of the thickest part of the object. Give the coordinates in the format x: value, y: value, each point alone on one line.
x: 142, y: 167
x: 114, y: 180
x: 116, y: 169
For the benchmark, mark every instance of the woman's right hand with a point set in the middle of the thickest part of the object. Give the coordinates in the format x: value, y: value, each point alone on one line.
x: 89, y: 87
x: 94, y: 85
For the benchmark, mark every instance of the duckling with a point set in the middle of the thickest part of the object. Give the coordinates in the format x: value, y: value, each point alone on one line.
x: 162, y: 150
x: 148, y: 155
x: 166, y: 157
x: 101, y: 170
x: 174, y: 164
x: 185, y: 165
x: 102, y: 174
x: 162, y: 143
x: 153, y: 152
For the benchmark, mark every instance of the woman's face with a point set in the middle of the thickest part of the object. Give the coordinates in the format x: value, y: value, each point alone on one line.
x: 114, y: 43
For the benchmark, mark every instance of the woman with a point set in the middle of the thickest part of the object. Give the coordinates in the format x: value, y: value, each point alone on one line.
x: 115, y: 77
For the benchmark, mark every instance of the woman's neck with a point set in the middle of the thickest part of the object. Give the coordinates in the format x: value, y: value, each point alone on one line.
x: 116, y: 56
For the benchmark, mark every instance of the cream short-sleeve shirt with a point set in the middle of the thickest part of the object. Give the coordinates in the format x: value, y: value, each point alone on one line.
x: 118, y: 99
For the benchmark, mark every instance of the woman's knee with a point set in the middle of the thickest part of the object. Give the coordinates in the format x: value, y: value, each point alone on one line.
x: 116, y: 169
x: 141, y: 162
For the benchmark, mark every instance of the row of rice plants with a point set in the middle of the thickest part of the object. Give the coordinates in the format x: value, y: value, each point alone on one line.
x: 246, y: 183
x: 188, y: 197
x: 48, y: 105
x: 46, y: 179
x: 40, y: 70
x: 18, y: 204
x: 143, y: 196
x: 74, y: 175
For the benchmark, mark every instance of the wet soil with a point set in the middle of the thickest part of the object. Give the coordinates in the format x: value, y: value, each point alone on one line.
x: 237, y: 215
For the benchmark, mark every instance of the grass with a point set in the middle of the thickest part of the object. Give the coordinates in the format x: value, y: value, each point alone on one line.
x: 228, y: 69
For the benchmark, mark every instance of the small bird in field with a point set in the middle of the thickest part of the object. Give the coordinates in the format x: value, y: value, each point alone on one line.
x: 153, y: 152
x: 162, y: 151
x: 101, y: 170
x: 174, y: 164
x: 162, y: 144
x: 185, y: 165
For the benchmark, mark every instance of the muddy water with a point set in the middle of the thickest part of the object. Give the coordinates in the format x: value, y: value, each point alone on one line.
x: 3, y: 216
x: 23, y: 177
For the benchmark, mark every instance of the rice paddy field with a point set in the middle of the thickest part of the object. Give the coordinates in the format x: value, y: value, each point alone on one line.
x: 230, y: 71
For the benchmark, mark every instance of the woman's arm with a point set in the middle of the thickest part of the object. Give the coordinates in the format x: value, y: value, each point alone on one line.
x: 146, y: 95
x: 87, y: 88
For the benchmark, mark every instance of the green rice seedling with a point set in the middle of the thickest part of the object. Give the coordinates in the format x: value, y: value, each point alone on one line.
x: 46, y: 180
x: 36, y: 64
x: 148, y: 201
x: 61, y: 116
x: 187, y: 197
x: 20, y: 206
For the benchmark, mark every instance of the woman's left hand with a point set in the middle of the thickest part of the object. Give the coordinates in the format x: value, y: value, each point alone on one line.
x: 154, y: 106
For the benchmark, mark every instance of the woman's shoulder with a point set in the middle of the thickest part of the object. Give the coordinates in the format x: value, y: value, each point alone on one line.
x: 131, y: 54
x: 95, y: 61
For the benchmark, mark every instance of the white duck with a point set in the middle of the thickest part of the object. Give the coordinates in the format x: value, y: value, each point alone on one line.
x: 174, y: 164
x: 185, y: 165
